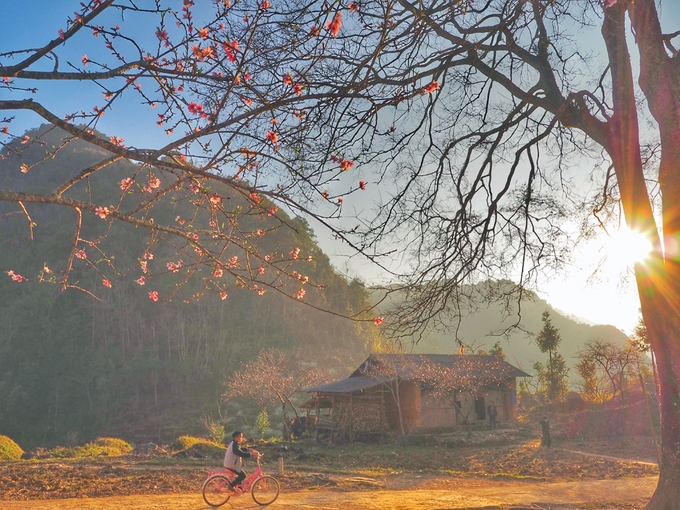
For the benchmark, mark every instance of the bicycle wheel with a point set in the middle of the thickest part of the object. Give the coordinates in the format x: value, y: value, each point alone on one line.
x: 216, y: 490
x: 265, y: 490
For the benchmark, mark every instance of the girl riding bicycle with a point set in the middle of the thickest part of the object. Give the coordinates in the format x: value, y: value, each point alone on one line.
x: 233, y: 459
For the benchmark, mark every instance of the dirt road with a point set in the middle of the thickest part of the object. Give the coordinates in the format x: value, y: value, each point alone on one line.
x: 631, y: 492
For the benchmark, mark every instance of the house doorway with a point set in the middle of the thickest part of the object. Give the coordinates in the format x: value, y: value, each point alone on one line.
x: 480, y: 408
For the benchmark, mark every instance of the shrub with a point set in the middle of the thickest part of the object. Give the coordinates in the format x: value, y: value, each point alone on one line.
x: 102, y: 446
x: 262, y: 422
x: 9, y: 450
x: 184, y: 442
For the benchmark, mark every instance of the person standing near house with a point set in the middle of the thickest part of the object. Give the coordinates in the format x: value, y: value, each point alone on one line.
x: 545, y: 427
x: 493, y: 413
x: 233, y: 459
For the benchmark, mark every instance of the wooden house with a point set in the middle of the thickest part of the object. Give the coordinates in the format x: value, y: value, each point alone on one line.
x: 416, y: 392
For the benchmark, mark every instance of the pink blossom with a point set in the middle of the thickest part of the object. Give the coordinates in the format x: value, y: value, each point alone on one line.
x: 378, y: 321
x: 15, y: 276
x: 195, y: 108
x: 85, y: 60
x: 301, y: 294
x: 141, y: 280
x: 80, y: 254
x: 223, y: 295
x: 126, y: 183
x: 102, y: 212
x: 261, y: 270
x: 153, y: 295
x: 218, y: 273
x: 106, y: 283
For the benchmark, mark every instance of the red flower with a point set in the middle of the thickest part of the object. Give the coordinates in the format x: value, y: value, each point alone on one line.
x: 362, y: 184
x: 153, y: 295
x: 353, y: 7
x: 106, y: 283
x: 287, y: 79
x: 378, y: 321
x: 272, y: 137
x: 85, y: 60
x: 195, y: 108
x: 335, y: 24
x: 432, y: 87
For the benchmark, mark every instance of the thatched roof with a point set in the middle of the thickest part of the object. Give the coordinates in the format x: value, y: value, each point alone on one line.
x: 381, y: 368
x: 469, y: 365
x: 352, y: 383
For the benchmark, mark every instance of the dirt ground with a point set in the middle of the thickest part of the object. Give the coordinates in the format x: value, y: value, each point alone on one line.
x: 507, y: 470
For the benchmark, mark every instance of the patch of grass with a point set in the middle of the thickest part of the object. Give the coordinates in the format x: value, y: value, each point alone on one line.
x: 100, y: 447
x: 9, y: 450
x: 184, y: 442
x: 199, y: 445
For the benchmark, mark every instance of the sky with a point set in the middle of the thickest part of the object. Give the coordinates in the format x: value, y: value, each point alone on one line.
x: 607, y: 298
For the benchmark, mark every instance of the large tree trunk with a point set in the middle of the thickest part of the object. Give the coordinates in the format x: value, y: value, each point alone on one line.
x: 658, y: 280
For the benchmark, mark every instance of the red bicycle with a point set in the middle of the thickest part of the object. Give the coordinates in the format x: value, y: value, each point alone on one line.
x: 217, y: 491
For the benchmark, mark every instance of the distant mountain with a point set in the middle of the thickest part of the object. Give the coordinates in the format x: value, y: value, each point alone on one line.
x: 481, y: 327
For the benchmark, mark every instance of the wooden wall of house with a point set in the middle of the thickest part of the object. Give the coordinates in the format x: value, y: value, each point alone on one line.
x: 409, y: 395
x: 368, y: 414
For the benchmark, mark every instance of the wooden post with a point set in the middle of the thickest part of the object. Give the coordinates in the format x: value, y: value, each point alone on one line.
x: 332, y: 416
x: 351, y: 419
x: 281, y: 465
x: 316, y: 428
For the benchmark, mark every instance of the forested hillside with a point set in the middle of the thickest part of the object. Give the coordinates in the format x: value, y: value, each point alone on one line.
x: 513, y: 325
x: 73, y: 367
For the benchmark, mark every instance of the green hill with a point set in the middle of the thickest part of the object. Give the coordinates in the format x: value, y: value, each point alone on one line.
x: 75, y: 368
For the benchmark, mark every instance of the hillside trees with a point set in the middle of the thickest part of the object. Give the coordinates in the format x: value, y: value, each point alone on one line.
x: 474, y: 116
x: 123, y: 365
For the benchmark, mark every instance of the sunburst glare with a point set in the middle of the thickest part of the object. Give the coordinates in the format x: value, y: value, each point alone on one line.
x: 627, y: 247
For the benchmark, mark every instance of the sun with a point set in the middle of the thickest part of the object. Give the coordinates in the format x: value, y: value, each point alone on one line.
x: 628, y: 247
